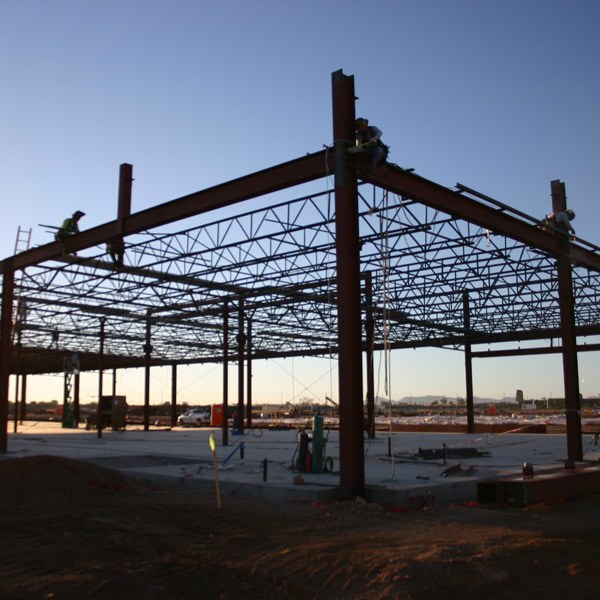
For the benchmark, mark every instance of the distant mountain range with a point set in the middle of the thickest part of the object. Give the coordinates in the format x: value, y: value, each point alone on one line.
x: 450, y: 399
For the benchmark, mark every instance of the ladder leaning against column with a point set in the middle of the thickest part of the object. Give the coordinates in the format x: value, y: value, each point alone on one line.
x: 22, y: 243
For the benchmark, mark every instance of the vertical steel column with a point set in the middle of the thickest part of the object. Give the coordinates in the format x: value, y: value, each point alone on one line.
x: 468, y: 363
x: 147, y: 353
x: 241, y: 340
x: 124, y: 207
x: 225, y: 437
x: 125, y: 181
x: 352, y: 467
x: 67, y: 387
x: 100, y: 409
x: 569, y: 338
x: 18, y: 370
x: 76, y: 412
x: 249, y: 375
x: 173, y: 395
x: 16, y: 413
x: 23, y: 398
x: 8, y: 282
x: 369, y: 335
x: 114, y: 383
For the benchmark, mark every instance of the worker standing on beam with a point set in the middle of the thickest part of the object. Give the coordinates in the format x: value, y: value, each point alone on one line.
x: 68, y: 228
x: 368, y: 141
x: 116, y: 249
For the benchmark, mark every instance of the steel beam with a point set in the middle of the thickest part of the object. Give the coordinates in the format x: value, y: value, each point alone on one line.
x: 352, y: 468
x: 405, y: 183
x: 289, y: 174
x: 532, y: 351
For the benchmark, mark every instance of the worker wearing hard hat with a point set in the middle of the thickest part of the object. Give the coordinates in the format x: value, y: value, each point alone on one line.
x: 561, y: 220
x: 368, y: 141
x: 68, y: 228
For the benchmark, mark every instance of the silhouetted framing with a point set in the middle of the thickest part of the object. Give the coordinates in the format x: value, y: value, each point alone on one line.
x: 309, y: 291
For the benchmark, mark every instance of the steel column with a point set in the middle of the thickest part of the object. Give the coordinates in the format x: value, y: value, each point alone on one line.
x: 468, y: 364
x: 125, y: 181
x: 23, y: 406
x: 352, y: 468
x: 8, y: 282
x: 123, y: 210
x: 16, y: 411
x: 76, y: 389
x: 370, y: 337
x: 147, y: 356
x: 569, y: 338
x: 249, y: 375
x: 67, y: 422
x: 18, y: 370
x: 241, y: 341
x: 173, y: 395
x: 225, y: 438
x: 99, y: 410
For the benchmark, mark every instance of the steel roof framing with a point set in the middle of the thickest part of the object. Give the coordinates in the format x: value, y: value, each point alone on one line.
x: 285, y: 271
x: 423, y: 245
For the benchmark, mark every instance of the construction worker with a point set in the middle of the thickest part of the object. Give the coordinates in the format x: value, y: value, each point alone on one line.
x: 116, y: 249
x: 368, y: 141
x: 561, y: 220
x: 68, y: 228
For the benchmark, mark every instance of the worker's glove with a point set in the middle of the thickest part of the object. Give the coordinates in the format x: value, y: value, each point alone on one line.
x: 374, y: 141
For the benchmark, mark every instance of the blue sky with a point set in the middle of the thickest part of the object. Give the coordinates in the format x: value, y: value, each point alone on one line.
x: 501, y: 96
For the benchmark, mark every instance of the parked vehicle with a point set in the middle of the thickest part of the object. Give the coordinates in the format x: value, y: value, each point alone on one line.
x: 196, y: 417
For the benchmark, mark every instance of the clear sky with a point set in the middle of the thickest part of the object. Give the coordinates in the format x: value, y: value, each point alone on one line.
x: 502, y: 96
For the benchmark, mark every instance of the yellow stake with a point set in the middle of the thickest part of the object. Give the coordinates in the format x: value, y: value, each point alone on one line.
x: 213, y: 447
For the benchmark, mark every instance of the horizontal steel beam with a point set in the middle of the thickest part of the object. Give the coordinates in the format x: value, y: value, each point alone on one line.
x: 289, y: 174
x: 532, y: 351
x: 318, y: 351
x: 405, y: 183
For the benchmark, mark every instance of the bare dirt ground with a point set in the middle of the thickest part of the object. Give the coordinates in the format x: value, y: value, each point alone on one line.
x: 74, y: 530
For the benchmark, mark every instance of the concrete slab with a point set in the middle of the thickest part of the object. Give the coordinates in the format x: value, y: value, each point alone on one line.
x: 182, y: 457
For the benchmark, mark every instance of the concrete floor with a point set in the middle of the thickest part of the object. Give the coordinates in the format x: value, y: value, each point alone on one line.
x: 182, y: 457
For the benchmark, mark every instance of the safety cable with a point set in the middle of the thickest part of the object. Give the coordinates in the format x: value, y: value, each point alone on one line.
x: 386, y: 324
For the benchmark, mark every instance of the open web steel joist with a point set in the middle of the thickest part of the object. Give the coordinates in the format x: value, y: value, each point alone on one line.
x: 281, y: 260
x: 408, y: 262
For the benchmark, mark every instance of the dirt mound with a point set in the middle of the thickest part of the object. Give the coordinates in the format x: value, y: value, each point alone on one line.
x: 36, y: 476
x: 76, y: 530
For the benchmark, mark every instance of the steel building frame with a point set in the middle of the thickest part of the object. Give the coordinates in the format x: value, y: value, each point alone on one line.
x: 368, y: 261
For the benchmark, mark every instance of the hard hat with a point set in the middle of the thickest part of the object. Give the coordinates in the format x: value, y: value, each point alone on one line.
x: 78, y: 214
x: 570, y: 214
x: 360, y: 121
